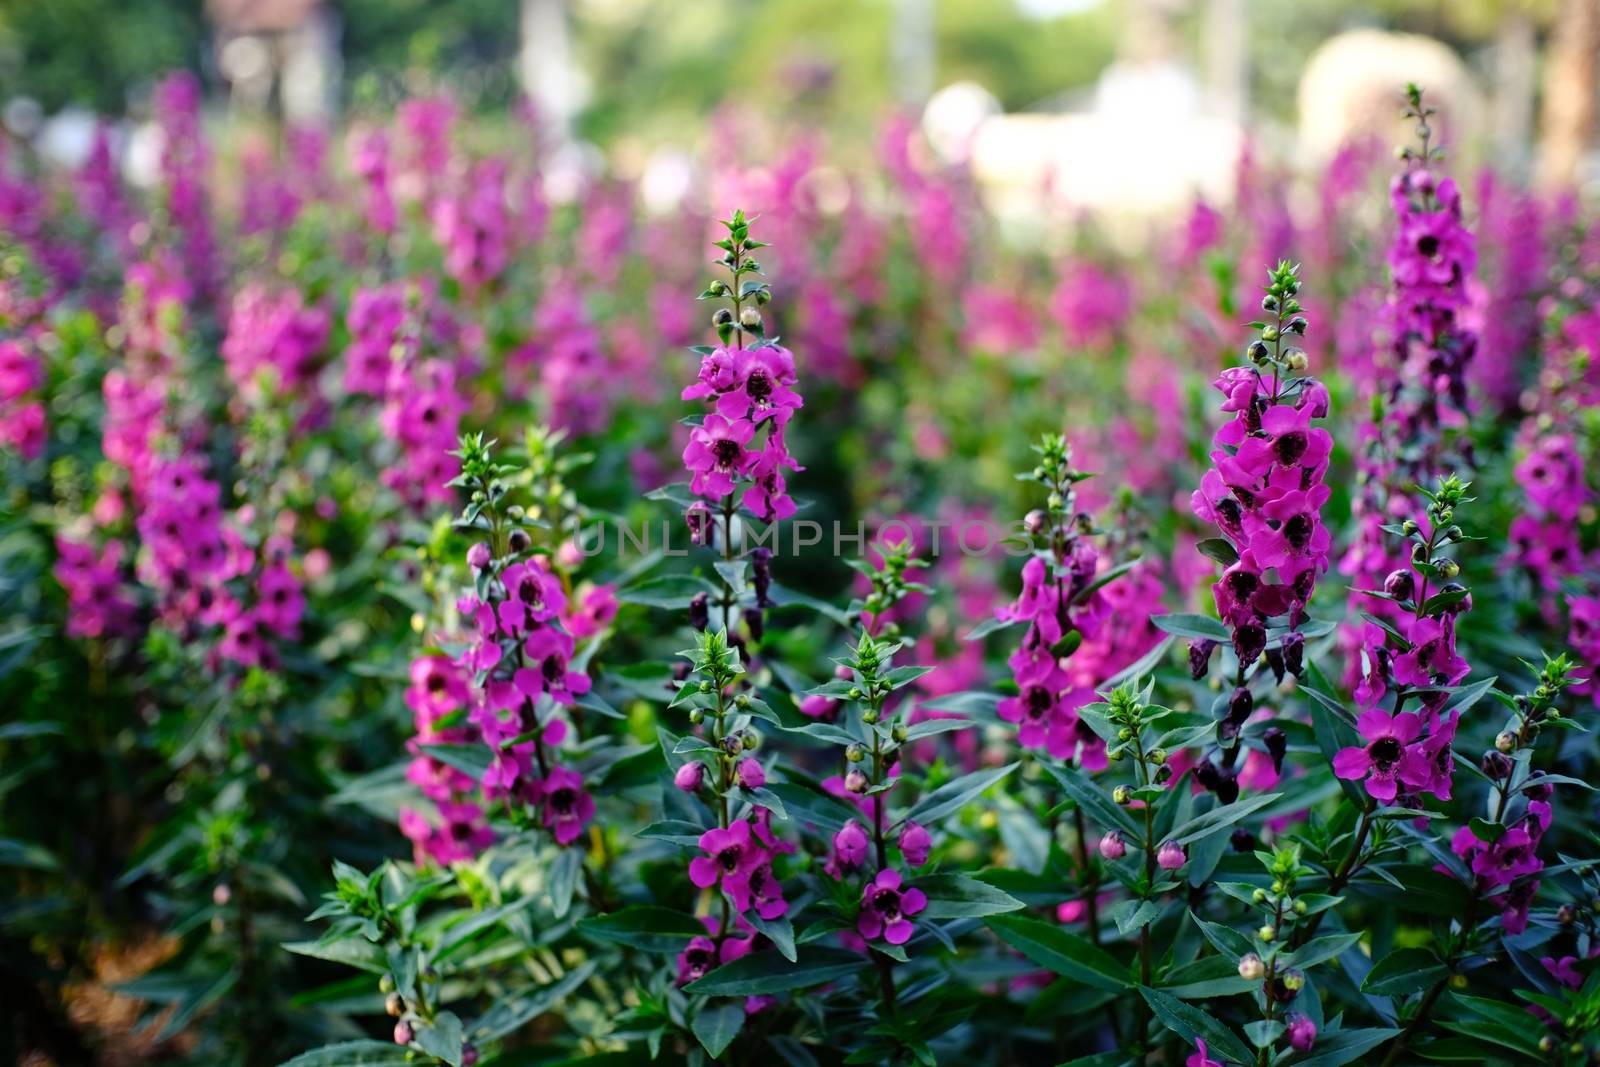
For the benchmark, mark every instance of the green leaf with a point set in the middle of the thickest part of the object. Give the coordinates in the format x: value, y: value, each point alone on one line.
x: 1220, y: 549
x: 1219, y: 818
x: 354, y: 1054
x: 14, y: 853
x: 671, y: 592
x: 468, y: 759
x: 1321, y: 949
x: 511, y: 1013
x: 769, y: 972
x: 951, y: 796
x: 1194, y: 627
x: 1189, y: 1022
x: 650, y: 927
x: 1347, y: 1046
x: 1060, y: 951
x: 351, y: 951
x: 810, y: 804
x: 779, y: 931
x: 1093, y: 800
x: 442, y: 1038
x: 1212, y: 976
x: 989, y: 626
x: 957, y: 896
x: 1403, y: 971
x: 716, y: 1025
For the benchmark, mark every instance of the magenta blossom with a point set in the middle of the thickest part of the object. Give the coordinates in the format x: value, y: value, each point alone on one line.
x: 886, y: 908
x: 566, y: 806
x: 1379, y: 762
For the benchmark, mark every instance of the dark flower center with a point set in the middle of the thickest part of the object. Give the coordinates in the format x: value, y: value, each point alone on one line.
x: 727, y: 451
x: 1243, y: 584
x: 886, y: 902
x: 528, y: 591
x: 729, y: 858
x: 759, y: 386
x: 1297, y: 531
x: 552, y: 668
x: 1384, y: 751
x: 562, y: 800
x: 1038, y: 702
x: 1289, y: 447
x: 1428, y: 245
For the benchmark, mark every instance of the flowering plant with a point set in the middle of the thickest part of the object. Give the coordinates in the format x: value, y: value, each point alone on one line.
x: 339, y: 532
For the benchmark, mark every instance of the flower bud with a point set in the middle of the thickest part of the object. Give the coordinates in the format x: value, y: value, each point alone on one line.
x: 751, y: 774
x: 1259, y: 896
x: 855, y: 753
x: 403, y: 1033
x: 1251, y: 969
x: 1170, y: 856
x: 915, y: 844
x: 1034, y: 522
x: 750, y: 318
x: 478, y: 556
x: 1400, y: 584
x: 1200, y: 657
x: 856, y: 782
x: 1122, y: 795
x: 469, y: 1055
x: 722, y: 317
x: 700, y: 612
x: 1267, y: 934
x: 1294, y: 981
x: 394, y: 1004
x: 1158, y: 756
x: 1113, y: 846
x: 1296, y: 360
x: 690, y: 776
x: 1302, y: 1033
x: 1496, y: 765
x: 519, y: 541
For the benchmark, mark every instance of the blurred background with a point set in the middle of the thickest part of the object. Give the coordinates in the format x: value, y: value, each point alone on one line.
x: 1115, y: 106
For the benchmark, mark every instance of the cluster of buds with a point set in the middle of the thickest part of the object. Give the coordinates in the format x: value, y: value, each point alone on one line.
x: 889, y: 585
x: 1534, y: 710
x: 1272, y: 963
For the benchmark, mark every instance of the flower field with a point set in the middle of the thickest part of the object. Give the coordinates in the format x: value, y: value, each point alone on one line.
x: 454, y: 616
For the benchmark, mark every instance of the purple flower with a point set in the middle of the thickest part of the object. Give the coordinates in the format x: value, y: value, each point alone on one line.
x: 886, y: 908
x: 1201, y: 1057
x: 566, y: 806
x: 729, y: 854
x: 1379, y: 762
x: 716, y: 455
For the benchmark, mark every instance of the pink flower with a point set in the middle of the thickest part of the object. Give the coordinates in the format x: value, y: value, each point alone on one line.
x: 566, y: 806
x: 729, y: 853
x: 886, y: 908
x: 1379, y: 761
x: 716, y: 455
x: 1201, y: 1057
